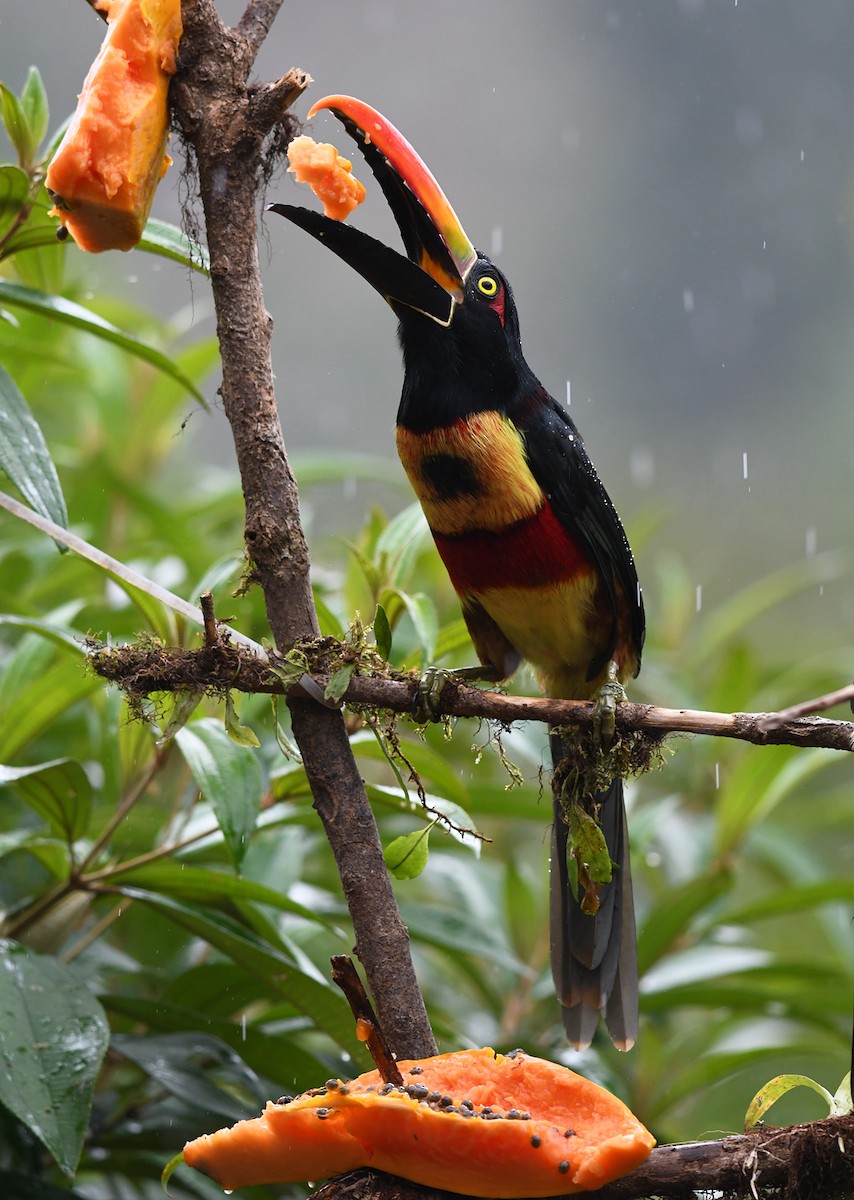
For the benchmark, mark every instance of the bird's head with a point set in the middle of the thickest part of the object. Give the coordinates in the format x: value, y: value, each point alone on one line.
x: 456, y: 309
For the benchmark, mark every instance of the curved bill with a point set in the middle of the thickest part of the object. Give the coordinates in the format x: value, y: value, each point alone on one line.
x: 431, y: 230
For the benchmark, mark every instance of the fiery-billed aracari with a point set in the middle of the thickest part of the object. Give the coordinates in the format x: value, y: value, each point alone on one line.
x: 527, y: 532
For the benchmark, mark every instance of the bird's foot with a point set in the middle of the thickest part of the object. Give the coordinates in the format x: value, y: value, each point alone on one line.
x: 610, y: 694
x: 426, y: 704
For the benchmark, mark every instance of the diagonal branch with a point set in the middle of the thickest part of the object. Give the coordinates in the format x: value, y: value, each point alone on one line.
x: 212, y: 100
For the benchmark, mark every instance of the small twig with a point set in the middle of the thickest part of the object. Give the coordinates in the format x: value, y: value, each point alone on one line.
x: 269, y: 104
x: 94, y: 932
x: 211, y: 629
x: 368, y: 1028
x: 107, y: 563
x: 807, y: 707
x: 94, y: 879
x: 155, y: 765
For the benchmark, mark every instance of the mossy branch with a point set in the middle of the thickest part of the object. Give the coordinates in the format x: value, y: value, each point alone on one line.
x: 144, y: 668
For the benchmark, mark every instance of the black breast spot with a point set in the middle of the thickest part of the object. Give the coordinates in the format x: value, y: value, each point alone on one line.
x: 450, y: 476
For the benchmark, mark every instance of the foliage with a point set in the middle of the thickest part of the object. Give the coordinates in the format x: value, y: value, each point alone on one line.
x: 177, y: 890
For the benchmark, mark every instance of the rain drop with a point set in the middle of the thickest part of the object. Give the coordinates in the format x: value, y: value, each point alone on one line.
x: 717, y: 775
x: 568, y: 393
x: 811, y: 542
x: 744, y: 464
x: 698, y: 600
x: 497, y: 240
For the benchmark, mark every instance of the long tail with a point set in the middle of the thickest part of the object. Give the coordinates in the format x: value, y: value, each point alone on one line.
x: 594, y: 958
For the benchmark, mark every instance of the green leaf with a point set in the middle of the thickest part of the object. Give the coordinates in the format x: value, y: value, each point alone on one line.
x: 53, y: 1037
x: 843, y: 1103
x: 588, y: 846
x: 759, y: 785
x: 203, y: 886
x: 159, y: 237
x: 34, y: 107
x: 228, y: 776
x: 732, y: 617
x: 39, y: 256
x: 382, y: 633
x: 61, y: 636
x: 14, y: 190
x: 24, y: 455
x: 459, y: 934
x: 14, y: 1186
x: 52, y: 853
x: 37, y: 705
x: 67, y: 312
x: 422, y: 613
x: 670, y: 919
x: 340, y: 681
x: 773, y: 1090
x: 406, y: 857
x: 281, y: 974
x: 409, y: 523
x: 158, y: 617
x: 184, y: 1064
x: 269, y: 1054
x: 16, y: 124
x: 330, y: 626
x: 452, y: 639
x: 184, y: 704
x: 241, y: 735
x: 59, y: 791
x: 791, y: 899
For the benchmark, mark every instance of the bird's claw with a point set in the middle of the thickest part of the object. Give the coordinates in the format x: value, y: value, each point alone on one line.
x: 425, y: 703
x: 610, y: 694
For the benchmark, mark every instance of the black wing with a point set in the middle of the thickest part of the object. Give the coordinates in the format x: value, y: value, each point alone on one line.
x: 562, y: 468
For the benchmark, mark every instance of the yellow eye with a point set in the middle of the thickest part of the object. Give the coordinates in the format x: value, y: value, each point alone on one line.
x: 487, y: 285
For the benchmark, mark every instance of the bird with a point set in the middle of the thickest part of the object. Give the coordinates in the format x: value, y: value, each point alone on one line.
x: 526, y: 530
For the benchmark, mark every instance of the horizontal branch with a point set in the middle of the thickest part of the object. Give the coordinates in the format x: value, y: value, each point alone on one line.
x: 141, y: 670
x: 816, y: 1159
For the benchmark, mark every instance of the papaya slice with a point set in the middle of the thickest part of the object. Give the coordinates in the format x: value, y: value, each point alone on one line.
x: 473, y: 1122
x: 329, y: 174
x: 108, y: 165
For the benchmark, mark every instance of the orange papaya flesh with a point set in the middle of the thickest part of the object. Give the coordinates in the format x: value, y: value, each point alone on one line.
x: 472, y: 1122
x: 329, y: 175
x: 105, y: 172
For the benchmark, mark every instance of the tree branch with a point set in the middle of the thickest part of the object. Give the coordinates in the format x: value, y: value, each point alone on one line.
x: 141, y: 670
x: 810, y: 1162
x: 256, y: 22
x: 225, y: 134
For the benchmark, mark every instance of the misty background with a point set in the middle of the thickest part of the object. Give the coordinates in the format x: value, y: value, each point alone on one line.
x: 669, y: 187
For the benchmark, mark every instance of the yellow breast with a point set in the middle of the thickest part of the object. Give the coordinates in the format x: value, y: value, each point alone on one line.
x: 485, y: 454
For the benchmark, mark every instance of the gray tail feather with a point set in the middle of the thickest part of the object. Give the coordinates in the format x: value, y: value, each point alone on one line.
x: 594, y: 958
